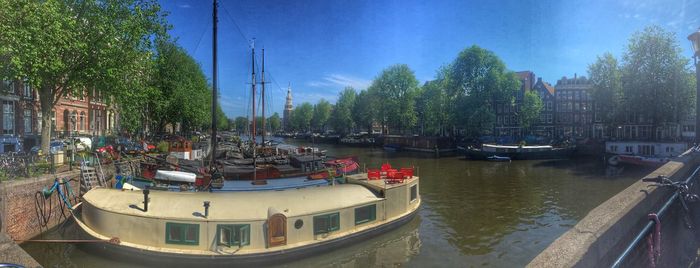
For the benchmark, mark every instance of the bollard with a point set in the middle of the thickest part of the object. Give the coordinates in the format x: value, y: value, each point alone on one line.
x: 206, y: 209
x: 145, y: 200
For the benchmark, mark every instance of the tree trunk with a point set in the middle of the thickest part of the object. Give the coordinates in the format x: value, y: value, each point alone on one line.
x: 46, y: 103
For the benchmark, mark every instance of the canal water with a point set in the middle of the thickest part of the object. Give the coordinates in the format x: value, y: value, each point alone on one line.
x: 474, y: 214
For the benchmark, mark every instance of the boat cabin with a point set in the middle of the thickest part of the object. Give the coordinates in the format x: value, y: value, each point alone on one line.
x: 307, y: 163
x: 513, y: 149
x: 651, y: 149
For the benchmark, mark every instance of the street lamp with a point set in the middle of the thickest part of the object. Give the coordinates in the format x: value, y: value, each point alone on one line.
x: 695, y: 40
x: 72, y: 142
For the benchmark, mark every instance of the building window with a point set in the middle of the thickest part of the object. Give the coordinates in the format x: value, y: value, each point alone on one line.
x: 365, y: 214
x: 8, y: 117
x: 326, y: 223
x: 74, y: 120
x: 8, y: 87
x: 181, y: 233
x: 233, y: 234
x: 27, y: 121
x: 82, y: 120
x: 27, y: 90
x: 414, y: 192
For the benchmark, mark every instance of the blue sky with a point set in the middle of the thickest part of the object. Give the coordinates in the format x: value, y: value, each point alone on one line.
x: 320, y: 47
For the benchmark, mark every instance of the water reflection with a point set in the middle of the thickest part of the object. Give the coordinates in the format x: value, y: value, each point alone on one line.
x: 474, y: 213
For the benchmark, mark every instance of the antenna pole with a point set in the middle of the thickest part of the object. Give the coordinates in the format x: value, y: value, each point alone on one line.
x: 214, y: 86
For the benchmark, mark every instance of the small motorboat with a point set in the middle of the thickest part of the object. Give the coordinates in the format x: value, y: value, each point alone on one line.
x: 496, y: 158
x: 175, y: 176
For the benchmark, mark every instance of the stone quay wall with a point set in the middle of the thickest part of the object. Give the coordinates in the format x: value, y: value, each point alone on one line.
x: 598, y: 239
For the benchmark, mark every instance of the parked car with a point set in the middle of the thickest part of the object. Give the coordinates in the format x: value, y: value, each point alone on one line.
x: 54, y: 147
x: 10, y: 144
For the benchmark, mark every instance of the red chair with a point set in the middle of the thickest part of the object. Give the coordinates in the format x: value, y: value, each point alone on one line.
x: 395, y: 177
x: 386, y: 166
x: 408, y: 172
x: 373, y: 174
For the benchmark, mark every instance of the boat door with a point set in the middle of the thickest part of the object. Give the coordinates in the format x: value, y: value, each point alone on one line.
x: 276, y: 228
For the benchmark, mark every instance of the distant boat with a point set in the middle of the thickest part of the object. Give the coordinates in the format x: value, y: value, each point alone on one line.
x: 496, y: 158
x: 519, y: 152
x: 642, y: 160
x: 392, y: 147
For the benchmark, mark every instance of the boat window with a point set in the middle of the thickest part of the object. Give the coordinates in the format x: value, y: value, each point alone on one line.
x: 181, y: 233
x: 414, y: 192
x: 326, y: 223
x: 233, y: 234
x: 365, y: 214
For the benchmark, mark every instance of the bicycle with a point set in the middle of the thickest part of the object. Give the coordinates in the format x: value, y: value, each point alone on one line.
x: 682, y: 188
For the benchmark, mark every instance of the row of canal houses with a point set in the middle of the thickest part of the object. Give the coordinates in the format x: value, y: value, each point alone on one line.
x: 86, y: 114
x: 570, y: 112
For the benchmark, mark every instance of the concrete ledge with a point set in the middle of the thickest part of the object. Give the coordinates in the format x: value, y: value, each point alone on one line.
x: 10, y: 252
x: 599, y: 238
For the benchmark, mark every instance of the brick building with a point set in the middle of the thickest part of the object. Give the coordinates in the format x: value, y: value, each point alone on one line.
x: 573, y: 107
x: 507, y: 121
x: 545, y: 125
x: 84, y: 115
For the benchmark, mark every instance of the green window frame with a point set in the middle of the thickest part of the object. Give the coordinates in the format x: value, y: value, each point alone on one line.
x: 365, y: 214
x: 233, y: 234
x: 414, y: 192
x: 181, y: 233
x: 326, y: 223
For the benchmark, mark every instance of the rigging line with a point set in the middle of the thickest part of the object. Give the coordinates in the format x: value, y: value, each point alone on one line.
x: 236, y: 24
x: 201, y: 37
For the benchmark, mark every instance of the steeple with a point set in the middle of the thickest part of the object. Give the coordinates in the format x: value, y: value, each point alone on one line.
x: 287, y: 109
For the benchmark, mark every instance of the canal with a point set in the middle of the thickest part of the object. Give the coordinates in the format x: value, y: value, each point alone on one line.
x: 474, y: 214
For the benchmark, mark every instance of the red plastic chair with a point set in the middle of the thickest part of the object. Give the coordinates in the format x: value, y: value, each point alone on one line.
x: 386, y: 166
x: 407, y: 172
x: 373, y: 174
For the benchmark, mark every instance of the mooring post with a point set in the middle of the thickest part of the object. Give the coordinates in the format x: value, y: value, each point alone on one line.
x: 145, y: 200
x: 206, y: 209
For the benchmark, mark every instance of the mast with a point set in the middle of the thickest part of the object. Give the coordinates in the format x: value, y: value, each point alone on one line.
x: 255, y: 167
x: 214, y: 86
x: 263, y: 96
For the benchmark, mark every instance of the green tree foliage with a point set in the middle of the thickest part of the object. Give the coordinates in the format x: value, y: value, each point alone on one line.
x: 478, y: 79
x: 241, y: 124
x: 63, y: 46
x: 185, y: 96
x: 342, y: 117
x: 656, y: 82
x: 322, y: 112
x: 274, y: 122
x: 531, y: 108
x: 221, y: 119
x: 301, y: 117
x: 363, y: 110
x: 397, y: 88
x: 433, y: 107
x: 606, y: 79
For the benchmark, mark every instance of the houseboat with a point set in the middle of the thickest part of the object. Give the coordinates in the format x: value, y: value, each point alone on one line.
x: 517, y: 152
x: 651, y: 154
x: 210, y: 228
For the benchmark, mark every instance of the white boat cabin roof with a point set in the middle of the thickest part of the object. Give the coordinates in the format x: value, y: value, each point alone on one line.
x: 239, y: 206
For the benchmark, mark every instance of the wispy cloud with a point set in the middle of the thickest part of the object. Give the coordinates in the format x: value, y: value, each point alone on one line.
x: 184, y: 6
x: 340, y: 80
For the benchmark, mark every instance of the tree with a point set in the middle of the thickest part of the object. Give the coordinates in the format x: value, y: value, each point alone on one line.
x: 63, y: 46
x: 241, y: 124
x: 301, y: 116
x: 363, y: 110
x: 606, y: 90
x: 275, y: 123
x: 341, y: 119
x: 322, y: 112
x: 221, y: 120
x: 434, y: 107
x: 656, y: 82
x: 531, y: 108
x: 478, y: 80
x: 397, y: 88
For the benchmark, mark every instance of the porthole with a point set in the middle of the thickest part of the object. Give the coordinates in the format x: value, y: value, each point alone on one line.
x: 298, y: 224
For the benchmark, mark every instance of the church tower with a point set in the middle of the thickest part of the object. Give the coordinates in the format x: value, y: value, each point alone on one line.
x: 287, y: 109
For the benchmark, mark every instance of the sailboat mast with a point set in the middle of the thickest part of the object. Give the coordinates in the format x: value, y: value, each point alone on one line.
x: 263, y: 97
x: 214, y: 86
x: 253, y: 97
